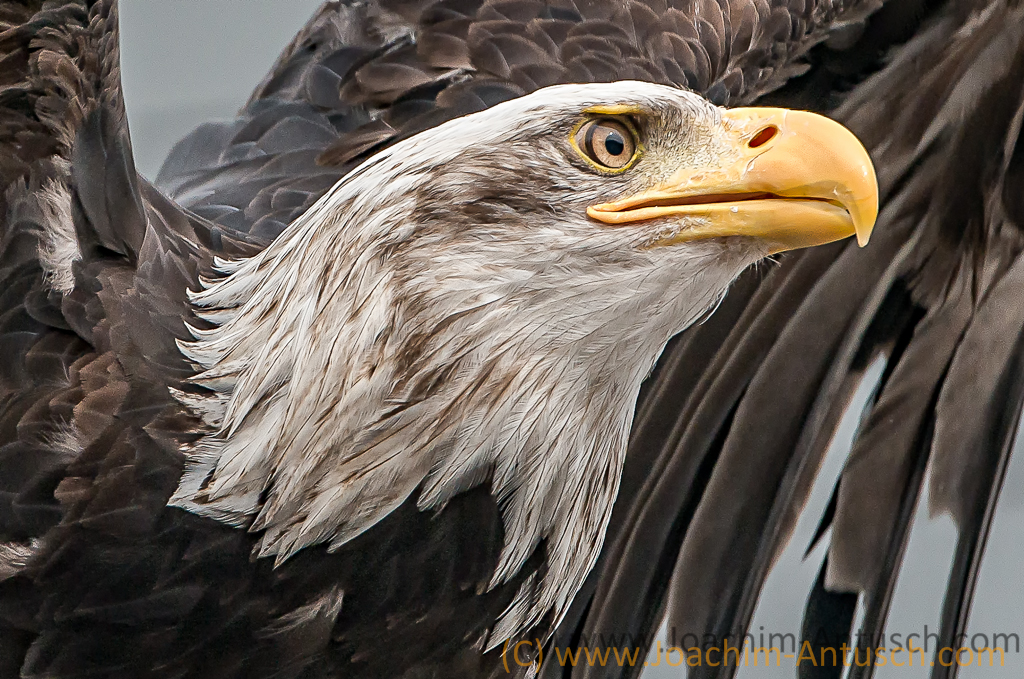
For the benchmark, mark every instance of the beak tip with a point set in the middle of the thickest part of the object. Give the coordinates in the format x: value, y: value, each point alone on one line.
x: 863, y: 229
x: 864, y: 213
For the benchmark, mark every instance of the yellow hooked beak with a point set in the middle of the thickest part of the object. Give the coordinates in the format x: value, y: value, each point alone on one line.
x: 799, y: 179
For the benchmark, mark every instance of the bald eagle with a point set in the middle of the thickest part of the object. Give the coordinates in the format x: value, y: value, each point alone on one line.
x: 348, y: 392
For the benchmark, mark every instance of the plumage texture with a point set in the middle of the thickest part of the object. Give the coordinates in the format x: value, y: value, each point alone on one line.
x: 934, y: 90
x: 942, y: 107
x: 448, y: 317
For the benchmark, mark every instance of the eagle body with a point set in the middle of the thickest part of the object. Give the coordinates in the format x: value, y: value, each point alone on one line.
x: 356, y: 387
x: 399, y: 426
x: 402, y: 423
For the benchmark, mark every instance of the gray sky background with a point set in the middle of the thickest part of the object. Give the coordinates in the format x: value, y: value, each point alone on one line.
x: 188, y: 61
x: 184, y: 62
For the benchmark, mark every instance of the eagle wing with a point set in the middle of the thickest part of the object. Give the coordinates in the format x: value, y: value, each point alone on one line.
x: 94, y: 265
x: 98, y: 576
x: 361, y: 76
x: 921, y: 330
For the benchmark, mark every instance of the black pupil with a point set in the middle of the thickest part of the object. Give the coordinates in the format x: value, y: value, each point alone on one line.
x: 614, y: 144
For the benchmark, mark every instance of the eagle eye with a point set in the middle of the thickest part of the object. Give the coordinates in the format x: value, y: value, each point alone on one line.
x: 609, y: 143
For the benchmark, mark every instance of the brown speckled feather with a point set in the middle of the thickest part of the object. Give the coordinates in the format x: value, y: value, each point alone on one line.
x: 361, y: 76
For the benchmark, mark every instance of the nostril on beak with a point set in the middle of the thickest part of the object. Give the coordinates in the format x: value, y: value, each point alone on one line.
x: 763, y: 137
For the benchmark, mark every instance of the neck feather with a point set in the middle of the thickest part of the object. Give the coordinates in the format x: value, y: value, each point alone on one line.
x: 349, y: 367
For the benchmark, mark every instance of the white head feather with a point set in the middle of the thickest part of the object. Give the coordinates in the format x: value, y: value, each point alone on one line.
x: 447, y: 316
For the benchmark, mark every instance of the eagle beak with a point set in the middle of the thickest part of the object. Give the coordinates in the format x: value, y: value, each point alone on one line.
x: 792, y: 179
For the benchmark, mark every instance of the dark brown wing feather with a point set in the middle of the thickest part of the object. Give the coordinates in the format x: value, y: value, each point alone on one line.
x: 932, y: 293
x: 98, y: 577
x: 361, y: 76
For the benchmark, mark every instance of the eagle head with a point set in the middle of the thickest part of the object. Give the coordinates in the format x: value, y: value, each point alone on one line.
x: 479, y: 304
